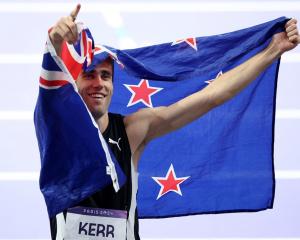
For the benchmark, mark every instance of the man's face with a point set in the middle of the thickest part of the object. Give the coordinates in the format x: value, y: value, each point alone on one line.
x: 96, y: 88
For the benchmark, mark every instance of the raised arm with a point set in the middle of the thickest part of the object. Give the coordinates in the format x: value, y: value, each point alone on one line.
x: 147, y: 124
x: 65, y: 30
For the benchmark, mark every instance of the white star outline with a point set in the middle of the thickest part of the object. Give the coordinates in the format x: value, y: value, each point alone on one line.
x: 156, y: 179
x: 186, y: 40
x: 210, y: 81
x: 131, y: 103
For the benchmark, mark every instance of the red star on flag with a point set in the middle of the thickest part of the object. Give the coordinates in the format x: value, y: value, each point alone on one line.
x: 169, y: 183
x: 190, y: 41
x: 142, y: 93
x: 210, y: 81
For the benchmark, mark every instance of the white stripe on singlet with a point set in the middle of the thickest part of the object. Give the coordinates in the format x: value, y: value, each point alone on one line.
x: 131, y: 215
x: 60, y: 226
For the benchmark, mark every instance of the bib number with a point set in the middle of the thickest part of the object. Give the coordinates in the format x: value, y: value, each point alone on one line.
x: 95, y: 223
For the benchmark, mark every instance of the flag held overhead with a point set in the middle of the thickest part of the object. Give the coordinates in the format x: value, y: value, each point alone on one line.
x: 222, y: 162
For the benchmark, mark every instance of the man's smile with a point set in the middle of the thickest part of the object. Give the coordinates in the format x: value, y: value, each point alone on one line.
x: 97, y: 95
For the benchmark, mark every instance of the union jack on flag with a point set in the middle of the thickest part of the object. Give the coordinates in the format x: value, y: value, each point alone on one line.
x: 56, y: 73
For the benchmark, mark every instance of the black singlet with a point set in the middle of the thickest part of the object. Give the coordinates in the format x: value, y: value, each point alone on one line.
x: 116, y: 138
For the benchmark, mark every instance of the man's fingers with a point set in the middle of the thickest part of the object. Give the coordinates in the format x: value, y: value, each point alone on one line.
x: 56, y: 34
x: 72, y: 28
x: 290, y: 22
x: 291, y: 33
x: 62, y: 30
x: 291, y: 28
x: 75, y: 12
x: 294, y: 39
x: 66, y: 33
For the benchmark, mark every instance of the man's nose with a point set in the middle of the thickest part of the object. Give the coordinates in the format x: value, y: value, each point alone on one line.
x: 98, y: 81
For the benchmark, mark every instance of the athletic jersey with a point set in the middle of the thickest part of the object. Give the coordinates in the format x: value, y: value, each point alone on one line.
x: 125, y: 199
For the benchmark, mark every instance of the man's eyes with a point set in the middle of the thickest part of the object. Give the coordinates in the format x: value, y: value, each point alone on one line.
x: 89, y: 76
x: 105, y: 75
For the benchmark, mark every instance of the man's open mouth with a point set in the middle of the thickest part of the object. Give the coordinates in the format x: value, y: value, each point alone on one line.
x: 97, y: 95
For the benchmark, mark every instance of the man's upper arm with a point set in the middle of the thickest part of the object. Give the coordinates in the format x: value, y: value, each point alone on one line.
x: 149, y: 123
x: 137, y: 127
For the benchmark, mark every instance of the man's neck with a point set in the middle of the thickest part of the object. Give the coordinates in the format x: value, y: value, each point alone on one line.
x: 102, y: 122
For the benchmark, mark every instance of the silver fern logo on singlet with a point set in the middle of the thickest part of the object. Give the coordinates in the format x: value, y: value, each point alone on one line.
x: 115, y: 142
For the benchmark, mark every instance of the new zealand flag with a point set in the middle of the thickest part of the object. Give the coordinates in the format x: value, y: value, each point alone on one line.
x: 222, y: 162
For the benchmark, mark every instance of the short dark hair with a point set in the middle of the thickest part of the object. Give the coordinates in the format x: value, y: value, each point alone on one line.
x: 111, y: 61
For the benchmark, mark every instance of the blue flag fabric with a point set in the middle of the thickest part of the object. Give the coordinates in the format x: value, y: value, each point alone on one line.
x: 75, y: 159
x: 222, y: 162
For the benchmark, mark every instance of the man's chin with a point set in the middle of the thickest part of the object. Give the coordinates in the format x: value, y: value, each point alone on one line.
x: 97, y: 110
x: 97, y: 113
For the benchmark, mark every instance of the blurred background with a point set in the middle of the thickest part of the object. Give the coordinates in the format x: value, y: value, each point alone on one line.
x: 131, y: 24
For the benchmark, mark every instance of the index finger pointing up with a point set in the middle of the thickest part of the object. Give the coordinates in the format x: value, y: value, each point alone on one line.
x: 75, y: 12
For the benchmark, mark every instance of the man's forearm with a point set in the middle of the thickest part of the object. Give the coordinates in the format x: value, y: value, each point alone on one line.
x: 162, y: 120
x: 232, y: 82
x: 216, y: 93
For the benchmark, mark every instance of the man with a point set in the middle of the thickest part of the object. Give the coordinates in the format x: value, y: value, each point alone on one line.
x: 138, y: 129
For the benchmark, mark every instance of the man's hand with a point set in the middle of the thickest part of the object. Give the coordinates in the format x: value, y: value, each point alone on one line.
x: 287, y: 40
x: 65, y: 30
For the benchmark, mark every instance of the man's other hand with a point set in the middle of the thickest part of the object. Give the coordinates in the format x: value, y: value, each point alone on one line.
x: 287, y: 40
